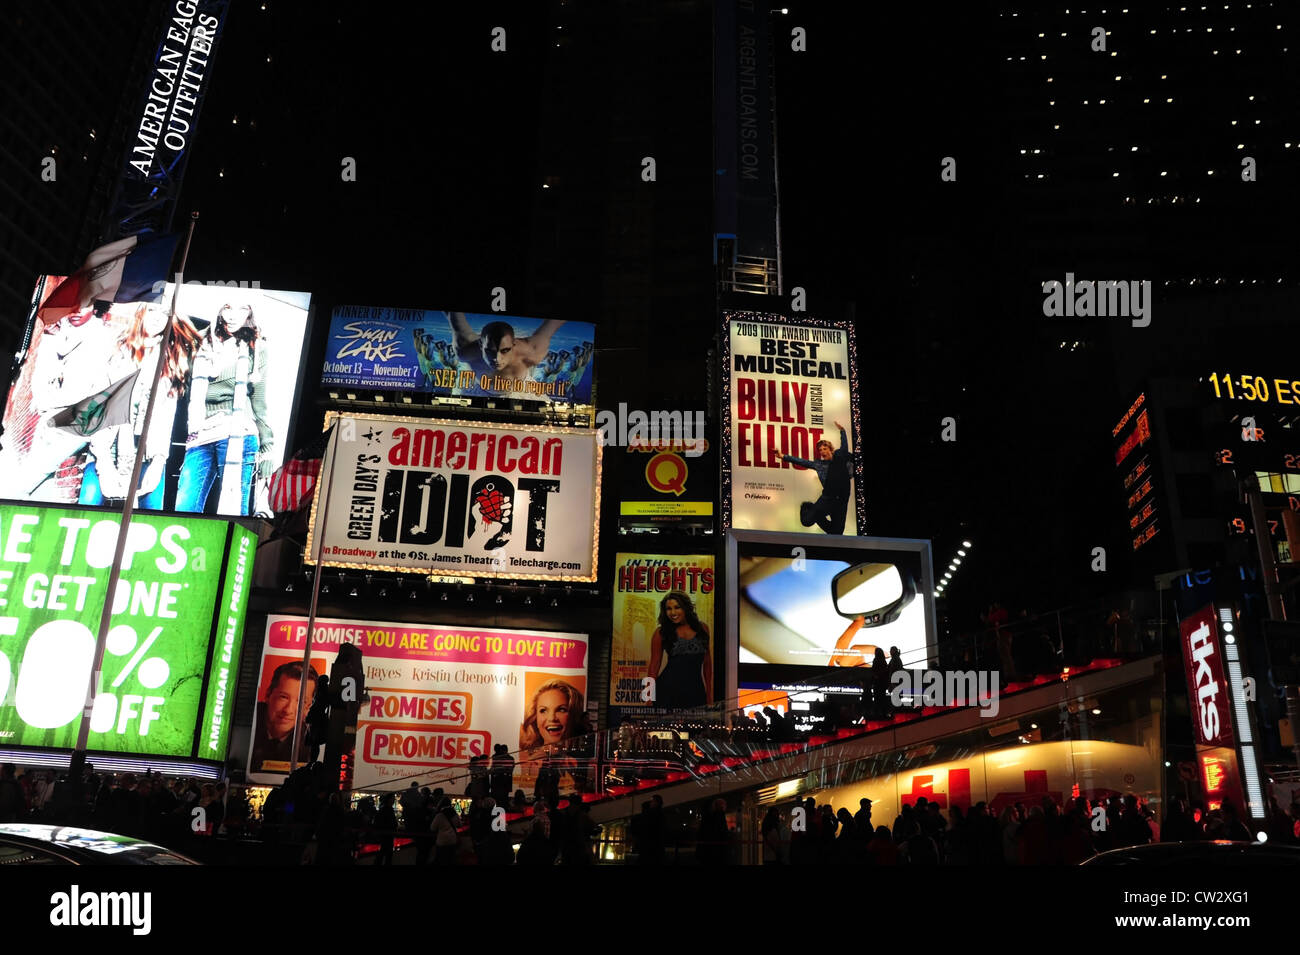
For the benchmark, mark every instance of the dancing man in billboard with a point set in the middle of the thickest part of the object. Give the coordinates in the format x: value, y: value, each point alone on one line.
x: 496, y: 350
x: 830, y: 511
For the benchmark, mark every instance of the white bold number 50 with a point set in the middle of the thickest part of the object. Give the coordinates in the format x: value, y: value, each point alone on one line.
x: 52, y: 678
x: 8, y: 628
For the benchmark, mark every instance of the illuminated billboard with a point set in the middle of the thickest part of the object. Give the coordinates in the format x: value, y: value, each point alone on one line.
x: 663, y: 630
x: 76, y: 408
x: 438, y: 695
x: 459, y: 354
x: 797, y: 601
x: 430, y: 496
x: 791, y: 443
x: 668, y: 484
x: 1206, y: 678
x: 171, y: 662
x: 1135, y: 457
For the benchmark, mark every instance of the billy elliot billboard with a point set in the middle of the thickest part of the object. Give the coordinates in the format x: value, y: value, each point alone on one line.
x: 791, y: 443
x: 431, y: 496
x: 438, y: 695
x: 458, y: 354
x: 76, y: 408
x: 172, y: 656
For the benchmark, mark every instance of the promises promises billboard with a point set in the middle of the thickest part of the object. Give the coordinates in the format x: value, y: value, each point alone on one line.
x: 428, y: 496
x: 455, y: 354
x: 438, y: 695
x: 174, y: 642
x: 792, y: 439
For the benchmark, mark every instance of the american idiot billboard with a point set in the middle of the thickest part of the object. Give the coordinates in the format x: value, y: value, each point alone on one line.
x: 792, y: 436
x: 432, y: 496
x: 459, y: 354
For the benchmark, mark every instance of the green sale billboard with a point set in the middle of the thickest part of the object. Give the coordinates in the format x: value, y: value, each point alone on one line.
x: 173, y: 645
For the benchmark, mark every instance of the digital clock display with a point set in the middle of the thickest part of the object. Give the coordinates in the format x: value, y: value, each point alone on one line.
x: 1247, y: 387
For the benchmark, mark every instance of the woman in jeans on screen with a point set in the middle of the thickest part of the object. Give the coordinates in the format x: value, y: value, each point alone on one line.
x: 229, y: 431
x: 113, y: 449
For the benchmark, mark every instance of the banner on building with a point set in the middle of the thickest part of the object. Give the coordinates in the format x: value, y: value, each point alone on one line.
x: 459, y: 354
x: 76, y: 409
x: 662, y: 654
x: 438, y: 696
x: 668, y: 485
x: 430, y: 496
x: 803, y: 604
x: 171, y: 662
x: 165, y: 120
x: 792, y: 443
x: 744, y: 144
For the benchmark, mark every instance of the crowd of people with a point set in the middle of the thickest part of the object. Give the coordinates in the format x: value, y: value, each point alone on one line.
x: 1040, y: 833
x: 151, y: 807
x: 436, y: 825
x: 318, y: 826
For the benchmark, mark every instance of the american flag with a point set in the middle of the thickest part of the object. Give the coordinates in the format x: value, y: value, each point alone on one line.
x: 291, y: 486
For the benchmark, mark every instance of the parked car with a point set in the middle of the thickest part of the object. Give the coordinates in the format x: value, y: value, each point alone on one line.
x: 32, y: 844
x: 1220, y: 852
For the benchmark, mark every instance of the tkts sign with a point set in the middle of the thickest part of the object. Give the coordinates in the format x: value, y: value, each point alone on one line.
x: 428, y: 496
x: 1207, y: 686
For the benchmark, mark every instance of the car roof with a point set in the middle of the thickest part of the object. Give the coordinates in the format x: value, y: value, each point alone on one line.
x: 1213, y: 852
x: 89, y: 846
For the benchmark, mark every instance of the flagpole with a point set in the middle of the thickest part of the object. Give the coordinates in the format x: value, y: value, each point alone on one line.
x: 78, y: 762
x: 315, y: 593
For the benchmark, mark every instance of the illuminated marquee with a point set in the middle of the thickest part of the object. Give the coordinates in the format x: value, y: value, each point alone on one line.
x: 1141, y: 501
x: 429, y: 496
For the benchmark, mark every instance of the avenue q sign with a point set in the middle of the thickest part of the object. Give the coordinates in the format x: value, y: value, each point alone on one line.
x: 430, y: 496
